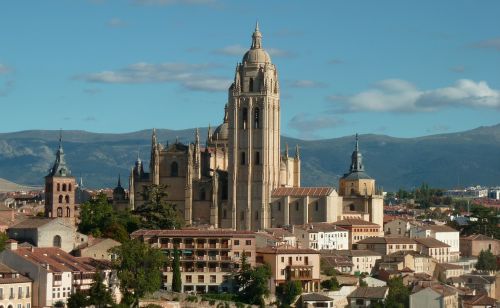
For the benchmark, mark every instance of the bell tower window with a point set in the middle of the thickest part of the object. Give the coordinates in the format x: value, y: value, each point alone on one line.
x: 242, y: 158
x: 250, y: 85
x: 244, y: 118
x: 257, y: 158
x: 174, y: 169
x: 256, y: 118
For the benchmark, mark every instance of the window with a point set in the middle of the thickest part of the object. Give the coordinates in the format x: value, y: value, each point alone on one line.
x: 244, y: 118
x: 66, y: 198
x: 250, y: 85
x: 257, y: 158
x: 59, y: 212
x: 174, y: 169
x: 279, y: 206
x: 316, y: 206
x: 242, y: 215
x: 282, y: 259
x: 58, y: 187
x: 236, y: 242
x: 256, y: 116
x: 189, y: 278
x: 1, y: 295
x: 60, y: 198
x: 242, y: 158
x: 68, y: 212
x: 56, y: 242
x: 202, y: 194
x: 20, y: 292
x: 201, y: 278
x: 213, y: 279
x: 248, y: 242
x: 296, y: 206
x: 64, y: 187
x: 256, y: 215
x: 69, y: 187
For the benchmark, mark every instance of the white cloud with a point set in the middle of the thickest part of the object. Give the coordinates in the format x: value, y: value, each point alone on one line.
x: 116, y: 23
x: 396, y: 95
x: 191, y: 76
x: 307, y: 125
x: 493, y: 43
x: 304, y: 83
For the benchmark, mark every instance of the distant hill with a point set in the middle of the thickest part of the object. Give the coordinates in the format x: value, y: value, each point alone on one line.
x: 6, y: 186
x: 444, y: 160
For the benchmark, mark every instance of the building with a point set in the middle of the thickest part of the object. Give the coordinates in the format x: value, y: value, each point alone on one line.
x: 398, y: 227
x: 60, y: 189
x: 208, y: 257
x: 15, y: 289
x: 441, y: 233
x: 363, y: 261
x: 274, y: 237
x: 340, y: 263
x: 315, y: 300
x: 408, y: 259
x: 48, y: 232
x: 367, y: 296
x: 479, y: 301
x: 482, y: 284
x: 472, y: 245
x: 289, y: 263
x: 435, y: 296
x: 98, y: 248
x: 55, y: 273
x: 436, y: 249
x: 321, y: 236
x: 444, y: 271
x: 240, y: 179
x: 359, y: 229
x: 387, y: 245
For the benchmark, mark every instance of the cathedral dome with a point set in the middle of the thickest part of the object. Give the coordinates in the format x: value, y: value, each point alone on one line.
x: 256, y: 54
x: 221, y: 132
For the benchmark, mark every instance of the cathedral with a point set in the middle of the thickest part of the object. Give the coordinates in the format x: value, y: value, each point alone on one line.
x: 239, y: 178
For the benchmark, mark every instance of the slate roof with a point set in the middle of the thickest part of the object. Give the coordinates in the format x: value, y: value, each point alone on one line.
x: 369, y: 292
x: 32, y: 223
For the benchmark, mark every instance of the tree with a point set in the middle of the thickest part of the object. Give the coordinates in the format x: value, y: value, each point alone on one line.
x: 59, y: 304
x: 176, y: 276
x: 156, y: 213
x: 116, y: 231
x: 399, y: 294
x: 486, y: 261
x: 288, y: 292
x: 95, y: 216
x: 251, y: 283
x: 139, y: 269
x: 77, y: 300
x: 99, y: 295
x: 3, y: 240
x: 331, y: 284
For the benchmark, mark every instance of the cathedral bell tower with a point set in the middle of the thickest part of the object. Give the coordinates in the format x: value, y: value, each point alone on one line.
x: 254, y: 138
x: 60, y: 189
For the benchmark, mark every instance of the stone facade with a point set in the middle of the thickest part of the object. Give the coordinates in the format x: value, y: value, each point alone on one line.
x: 15, y: 289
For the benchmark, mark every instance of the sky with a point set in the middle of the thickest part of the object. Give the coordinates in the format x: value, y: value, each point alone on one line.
x: 399, y: 68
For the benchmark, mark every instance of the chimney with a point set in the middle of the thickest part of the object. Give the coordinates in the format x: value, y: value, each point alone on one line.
x: 11, y: 244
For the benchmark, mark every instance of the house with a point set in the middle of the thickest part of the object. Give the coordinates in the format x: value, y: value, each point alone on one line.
x: 47, y: 232
x: 434, y: 296
x: 479, y: 301
x: 359, y: 229
x: 98, y: 248
x: 55, y: 273
x: 398, y: 227
x: 374, y: 282
x: 340, y: 263
x: 366, y: 296
x: 482, y: 284
x: 310, y: 300
x: 387, y: 245
x: 472, y: 245
x: 413, y: 260
x: 442, y: 233
x: 444, y: 271
x: 274, y: 237
x: 208, y: 257
x: 320, y: 236
x: 436, y: 249
x: 363, y: 261
x: 15, y: 289
x: 290, y: 263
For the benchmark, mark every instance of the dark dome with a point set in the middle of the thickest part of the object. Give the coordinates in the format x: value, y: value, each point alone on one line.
x: 221, y: 132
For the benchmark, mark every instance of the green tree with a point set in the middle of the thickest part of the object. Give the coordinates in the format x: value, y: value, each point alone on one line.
x: 99, y: 295
x: 77, y: 300
x: 362, y: 283
x: 156, y: 213
x: 176, y: 275
x: 288, y: 292
x: 251, y: 283
x: 3, y: 240
x: 486, y: 261
x: 399, y: 294
x: 95, y: 215
x: 59, y: 304
x: 116, y: 231
x: 139, y: 268
x: 331, y: 284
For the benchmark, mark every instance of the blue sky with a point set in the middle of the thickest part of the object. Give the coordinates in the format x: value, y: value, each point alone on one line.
x: 388, y: 67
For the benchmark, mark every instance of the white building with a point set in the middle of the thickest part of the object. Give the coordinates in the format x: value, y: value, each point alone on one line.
x: 442, y: 233
x: 321, y: 236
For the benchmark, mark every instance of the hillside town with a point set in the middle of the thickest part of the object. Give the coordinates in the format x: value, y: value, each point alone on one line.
x: 225, y: 222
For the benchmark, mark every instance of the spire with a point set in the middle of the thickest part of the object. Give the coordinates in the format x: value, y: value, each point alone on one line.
x: 357, y: 158
x: 257, y: 37
x: 209, y: 135
x: 226, y: 115
x: 119, y: 180
x: 297, y: 152
x: 59, y: 168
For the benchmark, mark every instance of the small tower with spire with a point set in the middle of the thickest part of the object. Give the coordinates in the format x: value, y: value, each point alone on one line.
x: 197, y: 156
x: 60, y: 188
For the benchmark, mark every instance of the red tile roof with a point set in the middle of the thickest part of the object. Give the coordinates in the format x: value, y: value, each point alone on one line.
x: 431, y: 242
x: 302, y: 191
x: 193, y: 232
x: 355, y: 222
x: 286, y: 250
x: 57, y: 259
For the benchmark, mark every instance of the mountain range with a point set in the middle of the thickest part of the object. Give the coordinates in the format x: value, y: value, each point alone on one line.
x: 444, y: 160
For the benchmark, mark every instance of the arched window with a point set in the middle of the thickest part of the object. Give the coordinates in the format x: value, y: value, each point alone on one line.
x: 242, y: 215
x: 202, y: 194
x: 64, y: 187
x: 257, y: 158
x: 250, y: 85
x: 69, y: 187
x: 351, y: 207
x: 58, y: 187
x: 56, y: 241
x: 242, y: 158
x: 224, y: 191
x: 174, y: 169
x: 256, y: 117
x: 67, y: 198
x: 68, y: 212
x: 59, y: 212
x: 60, y: 198
x: 256, y: 215
x: 244, y: 118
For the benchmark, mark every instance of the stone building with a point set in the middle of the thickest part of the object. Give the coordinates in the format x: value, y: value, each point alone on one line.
x: 15, y: 289
x: 239, y: 178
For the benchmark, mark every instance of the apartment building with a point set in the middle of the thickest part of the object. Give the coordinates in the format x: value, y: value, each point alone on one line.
x: 472, y: 245
x: 441, y: 233
x: 15, y: 289
x: 413, y: 260
x: 320, y: 236
x: 359, y: 229
x: 361, y: 261
x: 387, y: 245
x: 436, y: 249
x: 398, y: 227
x: 208, y: 257
x: 290, y: 263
